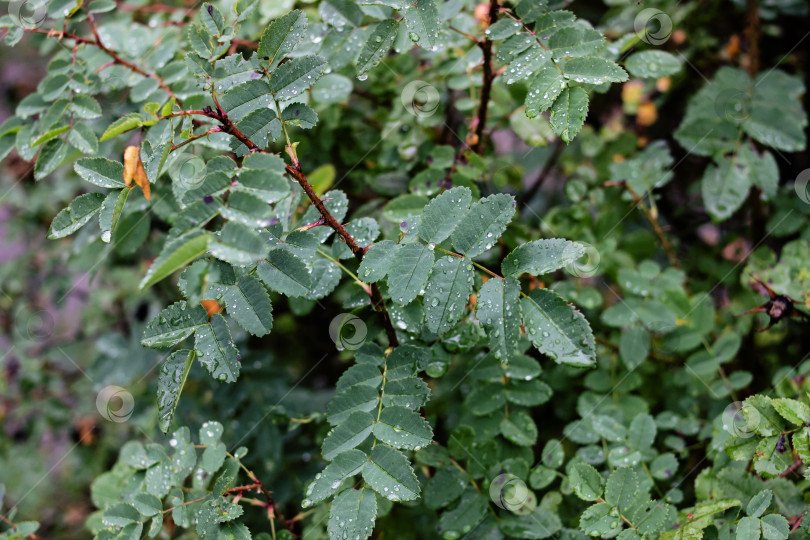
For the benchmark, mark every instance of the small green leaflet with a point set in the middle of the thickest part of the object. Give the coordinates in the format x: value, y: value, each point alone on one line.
x: 725, y: 187
x: 652, y: 64
x: 593, y: 70
x: 294, y: 77
x: 50, y: 157
x: 483, y: 225
x: 403, y: 428
x: 282, y: 37
x: 546, y: 85
x: 568, y: 113
x: 541, y: 257
x: 519, y: 428
x: 330, y: 479
x: 447, y: 292
x: 285, y: 273
x: 586, y: 481
x: 174, y: 324
x: 390, y: 474
x: 76, y: 215
x: 171, y: 379
x: 364, y: 398
x: 422, y: 21
x: 413, y: 263
x: 377, y: 261
x: 176, y: 254
x: 347, y: 435
x: 381, y: 38
x: 216, y: 351
x: 249, y: 305
x: 238, y: 244
x: 443, y: 213
x: 352, y: 514
x: 128, y: 122
x: 499, y: 312
x: 557, y: 329
x: 110, y: 212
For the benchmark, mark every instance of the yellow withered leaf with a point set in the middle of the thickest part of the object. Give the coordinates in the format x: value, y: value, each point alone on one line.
x: 132, y: 156
x: 133, y: 170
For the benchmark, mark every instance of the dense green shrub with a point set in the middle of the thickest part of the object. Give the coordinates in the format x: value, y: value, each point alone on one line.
x: 411, y: 270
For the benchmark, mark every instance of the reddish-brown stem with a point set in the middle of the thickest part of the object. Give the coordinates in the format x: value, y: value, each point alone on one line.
x: 114, y: 55
x: 215, y: 129
x: 377, y: 302
x: 480, y: 121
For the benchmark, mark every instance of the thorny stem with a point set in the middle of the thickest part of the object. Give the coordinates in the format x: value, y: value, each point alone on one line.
x: 294, y: 170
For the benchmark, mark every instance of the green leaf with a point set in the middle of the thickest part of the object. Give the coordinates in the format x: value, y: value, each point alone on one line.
x: 50, y: 135
x: 403, y: 428
x: 792, y: 410
x: 593, y: 70
x: 412, y: 263
x: 499, y: 311
x: 577, y: 40
x: 171, y: 379
x: 365, y: 398
x: 300, y: 115
x: 409, y: 392
x: 176, y: 254
x: 444, y: 487
x: 642, y: 432
x: 128, y: 122
x: 483, y: 225
x: 634, y: 346
x: 650, y: 518
x: 541, y: 257
x: 285, y: 273
x: 238, y: 244
x: 557, y: 329
x: 216, y: 350
x: 364, y: 374
x: 759, y: 503
x: 292, y: 78
x: 621, y: 489
x: 422, y: 21
x: 340, y: 13
x: 547, y: 84
x: 775, y: 527
x: 110, y: 213
x: 568, y: 113
x: 748, y: 529
x: 348, y: 434
x: 267, y: 186
x: 381, y: 38
x: 377, y: 261
x: 652, y: 64
x: 600, y: 520
x: 331, y: 478
x: 352, y: 514
x: 761, y: 168
x: 541, y: 523
x: 174, y: 324
x: 390, y: 474
x: 441, y: 216
x: 585, y: 481
x: 519, y: 428
x: 282, y: 37
x: 725, y: 187
x: 80, y: 211
x: 470, y: 510
x: 101, y: 172
x: 83, y: 138
x: 50, y: 157
x: 86, y: 107
x: 777, y: 118
x: 447, y: 292
x: 249, y: 305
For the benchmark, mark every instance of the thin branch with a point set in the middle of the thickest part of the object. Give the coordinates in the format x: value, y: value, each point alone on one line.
x: 527, y: 195
x: 480, y: 120
x: 117, y: 59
